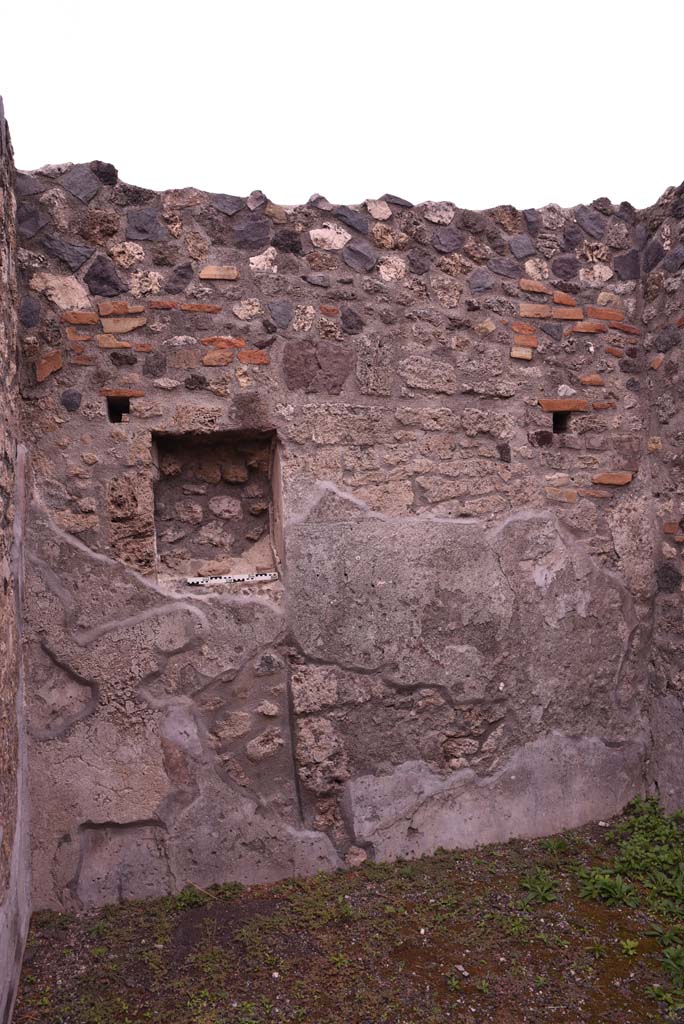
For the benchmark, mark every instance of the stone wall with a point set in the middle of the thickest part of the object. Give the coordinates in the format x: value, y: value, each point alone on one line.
x: 470, y: 497
x: 14, y: 856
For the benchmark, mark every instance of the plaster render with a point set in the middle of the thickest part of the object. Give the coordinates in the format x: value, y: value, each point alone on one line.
x: 455, y: 436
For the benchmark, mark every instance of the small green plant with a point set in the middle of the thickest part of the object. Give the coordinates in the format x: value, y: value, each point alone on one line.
x: 482, y: 986
x: 673, y: 965
x: 629, y: 946
x: 453, y: 982
x: 597, y: 884
x: 597, y: 950
x: 555, y: 845
x: 540, y: 886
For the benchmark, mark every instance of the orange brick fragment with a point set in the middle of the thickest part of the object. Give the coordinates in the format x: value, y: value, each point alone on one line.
x: 625, y: 328
x: 657, y: 361
x: 600, y: 406
x: 561, y: 494
x: 143, y: 346
x: 564, y: 404
x: 612, y: 350
x: 592, y: 380
x: 200, y: 307
x: 214, y: 273
x: 110, y: 341
x: 521, y: 352
x: 588, y: 327
x: 526, y: 284
x: 48, y: 364
x: 122, y: 324
x: 73, y: 335
x: 671, y: 528
x: 121, y: 393
x: 525, y: 340
x: 329, y: 310
x: 218, y: 357
x: 163, y: 304
x: 563, y: 299
x: 80, y: 360
x: 594, y: 492
x: 253, y: 356
x: 617, y: 478
x: 520, y: 328
x: 567, y: 313
x: 118, y: 309
x: 80, y: 316
x: 604, y: 313
x: 535, y: 310
x: 221, y: 341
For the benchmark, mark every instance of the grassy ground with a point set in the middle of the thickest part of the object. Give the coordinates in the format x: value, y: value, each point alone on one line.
x: 583, y: 927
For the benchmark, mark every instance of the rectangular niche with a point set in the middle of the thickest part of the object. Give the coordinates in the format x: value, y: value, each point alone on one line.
x: 214, y: 504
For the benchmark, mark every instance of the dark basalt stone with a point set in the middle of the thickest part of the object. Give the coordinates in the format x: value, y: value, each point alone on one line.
x: 668, y: 578
x: 253, y: 232
x: 154, y: 365
x: 288, y: 240
x: 572, y: 237
x: 143, y: 225
x: 107, y: 173
x: 396, y: 200
x: 81, y: 182
x: 71, y: 399
x: 418, y: 261
x: 179, y: 279
x: 674, y: 261
x: 533, y: 221
x: 522, y: 246
x: 447, y: 239
x: 102, y: 278
x: 554, y: 330
x: 504, y: 266
x: 73, y: 256
x: 653, y: 254
x: 196, y: 382
x: 350, y: 320
x: 123, y: 357
x: 281, y: 311
x: 30, y: 220
x: 591, y: 221
x: 317, y: 280
x: 480, y: 280
x: 359, y: 255
x: 230, y: 205
x: 28, y: 185
x: 565, y: 266
x: 29, y: 311
x: 668, y: 339
x: 352, y: 218
x: 627, y: 266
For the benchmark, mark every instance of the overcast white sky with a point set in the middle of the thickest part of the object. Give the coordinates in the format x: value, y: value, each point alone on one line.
x: 480, y: 102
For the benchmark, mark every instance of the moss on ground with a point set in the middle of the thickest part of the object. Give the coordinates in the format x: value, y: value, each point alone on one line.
x: 583, y: 927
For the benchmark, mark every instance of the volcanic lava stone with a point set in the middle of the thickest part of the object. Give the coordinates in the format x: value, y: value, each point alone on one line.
x: 281, y: 311
x: 73, y: 256
x: 653, y: 254
x: 123, y: 357
x: 107, y: 173
x: 253, y: 232
x: 447, y: 239
x: 351, y: 322
x: 418, y: 261
x: 229, y: 205
x: 481, y: 281
x: 144, y: 225
x: 29, y: 311
x: 155, y: 364
x: 352, y: 218
x: 668, y: 578
x: 288, y: 240
x: 627, y: 266
x: 71, y: 399
x: 179, y: 279
x: 81, y: 182
x: 565, y: 266
x: 359, y: 256
x: 102, y: 278
x: 591, y: 221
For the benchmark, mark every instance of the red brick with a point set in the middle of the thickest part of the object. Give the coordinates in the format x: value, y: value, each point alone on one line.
x: 611, y: 350
x: 73, y: 335
x: 163, y: 304
x: 121, y: 393
x: 122, y: 324
x: 616, y: 478
x: 600, y: 406
x: 525, y: 340
x: 561, y: 494
x: 657, y: 361
x: 587, y: 327
x: 671, y: 527
x: 605, y: 313
x: 592, y: 380
x: 80, y: 316
x: 218, y: 357
x: 200, y: 307
x: 329, y: 310
x: 518, y: 352
x: 223, y: 341
x: 111, y: 341
x: 563, y: 299
x: 625, y: 328
x: 564, y: 404
x: 214, y: 273
x: 527, y: 285
x: 520, y: 328
x: 253, y: 356
x: 80, y: 360
x: 567, y: 313
x: 47, y: 364
x: 535, y: 310
x: 118, y: 309
x: 594, y: 492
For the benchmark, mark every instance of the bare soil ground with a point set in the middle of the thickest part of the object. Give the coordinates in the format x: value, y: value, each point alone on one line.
x: 583, y: 928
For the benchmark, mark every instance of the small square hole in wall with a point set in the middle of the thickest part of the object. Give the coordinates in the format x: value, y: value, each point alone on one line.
x: 217, y: 504
x: 117, y: 408
x: 561, y: 422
